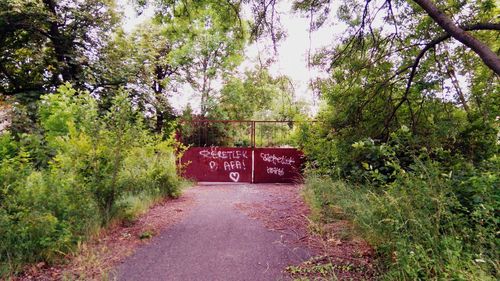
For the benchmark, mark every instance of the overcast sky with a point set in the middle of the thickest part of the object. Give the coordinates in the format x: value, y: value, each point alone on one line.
x: 292, y: 52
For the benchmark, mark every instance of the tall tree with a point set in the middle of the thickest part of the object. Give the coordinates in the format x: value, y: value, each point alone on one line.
x: 400, y: 56
x: 454, y: 18
x: 44, y: 43
x: 162, y: 50
x: 217, y: 48
x: 211, y: 37
x: 258, y: 96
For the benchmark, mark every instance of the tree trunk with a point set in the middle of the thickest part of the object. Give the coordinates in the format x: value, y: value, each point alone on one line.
x: 63, y: 46
x: 159, y: 120
x: 158, y: 91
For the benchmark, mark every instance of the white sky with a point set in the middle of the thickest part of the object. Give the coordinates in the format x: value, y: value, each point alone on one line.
x: 292, y: 52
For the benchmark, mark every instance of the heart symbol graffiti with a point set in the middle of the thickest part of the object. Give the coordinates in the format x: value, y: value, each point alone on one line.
x: 234, y: 176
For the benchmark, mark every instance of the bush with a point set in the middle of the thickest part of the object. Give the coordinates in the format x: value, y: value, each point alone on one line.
x: 8, y: 147
x: 150, y: 168
x: 79, y: 171
x: 419, y: 225
x: 320, y: 148
x: 427, y: 206
x: 47, y: 214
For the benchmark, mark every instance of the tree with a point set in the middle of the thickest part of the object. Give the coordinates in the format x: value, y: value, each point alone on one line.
x: 161, y: 51
x: 47, y: 42
x: 211, y: 37
x: 442, y: 15
x: 406, y: 30
x: 193, y: 44
x: 396, y: 57
x: 117, y: 65
x: 459, y: 33
x: 217, y: 48
x: 258, y: 96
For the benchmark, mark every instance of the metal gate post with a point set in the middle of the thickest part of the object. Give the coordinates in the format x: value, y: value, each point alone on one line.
x: 253, y: 134
x: 253, y: 149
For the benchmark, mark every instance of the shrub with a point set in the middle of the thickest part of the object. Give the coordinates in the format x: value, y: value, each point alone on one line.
x: 419, y: 225
x: 77, y: 172
x: 150, y: 168
x: 8, y: 147
x: 12, y: 171
x: 45, y: 215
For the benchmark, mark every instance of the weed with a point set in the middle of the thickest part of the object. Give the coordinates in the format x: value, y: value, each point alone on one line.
x: 413, y: 226
x: 146, y: 235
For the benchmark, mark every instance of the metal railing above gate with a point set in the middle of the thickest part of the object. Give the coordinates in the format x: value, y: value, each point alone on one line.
x: 236, y: 133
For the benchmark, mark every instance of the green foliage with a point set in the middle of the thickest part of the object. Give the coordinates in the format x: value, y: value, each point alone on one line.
x: 319, y: 146
x: 424, y: 198
x: 46, y: 214
x: 41, y: 48
x: 12, y: 170
x: 413, y: 162
x: 429, y: 211
x: 361, y: 159
x: 188, y: 43
x: 258, y: 96
x: 94, y: 164
x: 419, y: 225
x: 150, y: 168
x: 8, y: 147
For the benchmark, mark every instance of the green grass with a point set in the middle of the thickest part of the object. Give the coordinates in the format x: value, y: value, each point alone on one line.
x: 413, y: 226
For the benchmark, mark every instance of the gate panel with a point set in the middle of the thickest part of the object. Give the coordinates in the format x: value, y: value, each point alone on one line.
x: 218, y: 164
x: 277, y: 165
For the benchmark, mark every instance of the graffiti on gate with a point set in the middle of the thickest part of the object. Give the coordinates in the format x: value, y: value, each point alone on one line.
x: 277, y: 164
x: 275, y: 171
x: 242, y: 164
x: 262, y: 160
x: 232, y: 161
x: 274, y: 160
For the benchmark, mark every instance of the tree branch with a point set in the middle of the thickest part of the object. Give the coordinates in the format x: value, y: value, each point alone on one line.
x: 428, y: 46
x: 485, y: 53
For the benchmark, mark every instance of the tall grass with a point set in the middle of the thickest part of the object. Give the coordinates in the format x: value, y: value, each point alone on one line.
x: 418, y: 226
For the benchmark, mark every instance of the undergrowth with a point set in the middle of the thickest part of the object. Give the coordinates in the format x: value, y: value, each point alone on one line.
x: 97, y: 168
x: 425, y: 197
x: 418, y: 226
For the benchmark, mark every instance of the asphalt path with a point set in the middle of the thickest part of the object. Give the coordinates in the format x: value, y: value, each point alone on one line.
x: 215, y: 241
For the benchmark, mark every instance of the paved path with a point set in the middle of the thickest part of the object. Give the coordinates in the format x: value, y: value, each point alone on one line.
x: 215, y: 241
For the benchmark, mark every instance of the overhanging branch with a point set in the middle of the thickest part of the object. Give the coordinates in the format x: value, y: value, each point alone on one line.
x: 427, y: 47
x: 485, y: 53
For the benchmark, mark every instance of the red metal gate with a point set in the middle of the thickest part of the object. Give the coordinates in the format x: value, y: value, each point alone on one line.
x: 218, y: 164
x: 277, y: 165
x: 214, y: 155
